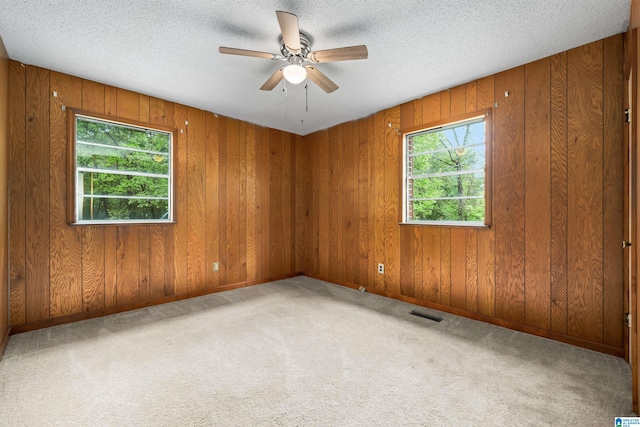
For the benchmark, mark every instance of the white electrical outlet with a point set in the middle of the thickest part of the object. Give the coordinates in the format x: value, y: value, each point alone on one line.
x: 216, y: 266
x: 381, y: 268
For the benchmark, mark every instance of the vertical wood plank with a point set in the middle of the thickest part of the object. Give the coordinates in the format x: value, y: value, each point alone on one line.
x: 372, y: 199
x: 93, y: 269
x: 286, y: 202
x: 17, y: 192
x: 445, y: 104
x: 110, y: 265
x: 143, y: 108
x: 355, y: 142
x: 259, y: 210
x: 363, y: 202
x: 111, y: 101
x: 417, y: 111
x: 537, y: 210
x: 92, y: 97
x: 408, y: 262
x: 144, y: 237
x: 585, y: 210
x: 266, y: 204
x: 65, y: 242
x: 325, y: 171
x: 458, y: 100
x: 559, y: 198
x: 431, y: 264
x: 37, y: 194
x: 445, y: 266
x: 222, y: 200
x: 242, y: 202
x: 156, y: 111
x: 485, y: 93
x: 486, y: 274
x: 470, y: 93
x: 314, y: 201
x: 300, y: 183
x: 509, y: 195
x: 156, y: 262
x: 250, y: 217
x: 486, y: 254
x: 379, y: 196
x: 391, y: 201
x: 347, y: 191
x: 458, y: 268
x: 127, y: 265
x: 471, y: 252
x: 211, y: 199
x: 276, y: 225
x: 232, y: 204
x: 335, y: 214
x: 180, y: 197
x: 613, y: 191
x: 196, y: 191
x: 431, y: 108
x: 292, y: 184
x: 127, y: 104
x: 169, y: 280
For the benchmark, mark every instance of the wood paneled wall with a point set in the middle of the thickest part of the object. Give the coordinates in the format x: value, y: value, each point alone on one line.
x: 551, y: 264
x: 4, y: 188
x: 235, y: 189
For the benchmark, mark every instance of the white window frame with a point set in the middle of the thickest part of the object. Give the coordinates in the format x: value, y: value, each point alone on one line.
x: 75, y: 194
x: 406, y: 176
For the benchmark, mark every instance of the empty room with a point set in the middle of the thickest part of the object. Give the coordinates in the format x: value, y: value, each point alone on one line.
x: 319, y: 213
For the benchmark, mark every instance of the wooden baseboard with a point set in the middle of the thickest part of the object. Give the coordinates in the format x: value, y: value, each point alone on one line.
x: 40, y: 324
x: 4, y: 342
x: 599, y: 347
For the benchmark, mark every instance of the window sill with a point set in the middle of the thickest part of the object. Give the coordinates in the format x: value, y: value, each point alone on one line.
x: 449, y: 224
x: 121, y: 223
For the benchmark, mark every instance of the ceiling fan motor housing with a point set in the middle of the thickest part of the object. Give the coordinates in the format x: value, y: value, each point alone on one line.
x: 305, y: 46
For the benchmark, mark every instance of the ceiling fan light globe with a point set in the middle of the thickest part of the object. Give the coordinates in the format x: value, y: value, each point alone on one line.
x: 294, y: 73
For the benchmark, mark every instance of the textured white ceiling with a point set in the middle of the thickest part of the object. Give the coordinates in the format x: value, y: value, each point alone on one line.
x: 169, y: 48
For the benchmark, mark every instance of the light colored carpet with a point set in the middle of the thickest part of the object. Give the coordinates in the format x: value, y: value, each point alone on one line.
x: 302, y: 352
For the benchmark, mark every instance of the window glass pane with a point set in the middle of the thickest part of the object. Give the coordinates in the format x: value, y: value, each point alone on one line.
x: 448, y: 186
x: 101, y: 209
x: 104, y: 184
x: 448, y: 210
x: 106, y: 133
x: 446, y: 166
x: 98, y: 157
x: 139, y: 187
x: 459, y: 159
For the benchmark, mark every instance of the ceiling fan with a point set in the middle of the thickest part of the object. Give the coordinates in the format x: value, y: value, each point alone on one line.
x: 295, y: 47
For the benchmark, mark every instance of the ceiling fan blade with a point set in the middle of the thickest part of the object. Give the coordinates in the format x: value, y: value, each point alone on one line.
x: 320, y: 79
x: 243, y: 52
x: 273, y: 80
x: 290, y: 30
x: 339, y: 54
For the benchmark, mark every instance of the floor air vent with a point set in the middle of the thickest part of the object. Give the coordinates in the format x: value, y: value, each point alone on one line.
x: 426, y: 316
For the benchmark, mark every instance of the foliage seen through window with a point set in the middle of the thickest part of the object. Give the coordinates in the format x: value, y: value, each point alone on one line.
x: 122, y: 172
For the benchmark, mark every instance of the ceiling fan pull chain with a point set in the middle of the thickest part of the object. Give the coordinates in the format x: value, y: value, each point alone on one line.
x: 286, y: 96
x: 306, y: 96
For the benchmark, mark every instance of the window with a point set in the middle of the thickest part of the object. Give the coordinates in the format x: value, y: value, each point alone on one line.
x: 121, y: 172
x: 447, y: 172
